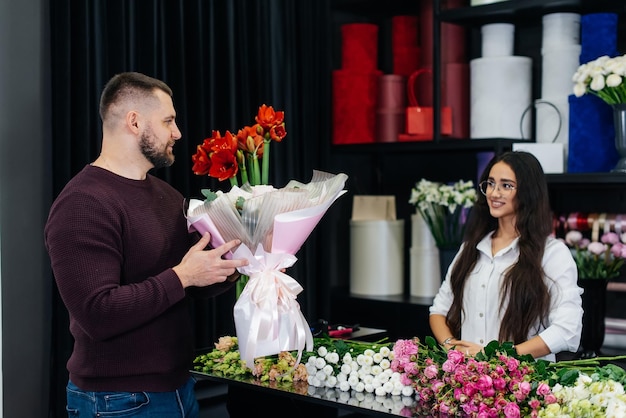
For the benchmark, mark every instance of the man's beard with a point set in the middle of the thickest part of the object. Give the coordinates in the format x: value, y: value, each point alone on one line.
x: 158, y: 158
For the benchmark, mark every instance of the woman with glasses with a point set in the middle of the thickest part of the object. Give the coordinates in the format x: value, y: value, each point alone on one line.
x: 511, y: 280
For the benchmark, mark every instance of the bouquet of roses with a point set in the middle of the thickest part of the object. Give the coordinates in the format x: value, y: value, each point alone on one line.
x: 272, y: 224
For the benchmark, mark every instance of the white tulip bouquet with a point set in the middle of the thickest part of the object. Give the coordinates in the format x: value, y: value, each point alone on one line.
x: 603, y: 77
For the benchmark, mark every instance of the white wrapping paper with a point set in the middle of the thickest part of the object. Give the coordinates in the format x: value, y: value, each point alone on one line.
x: 500, y: 92
x: 481, y: 2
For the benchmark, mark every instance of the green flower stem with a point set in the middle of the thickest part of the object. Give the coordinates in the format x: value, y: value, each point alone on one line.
x: 241, y: 283
x: 266, y: 161
x: 587, y: 362
x: 233, y: 181
x: 255, y: 172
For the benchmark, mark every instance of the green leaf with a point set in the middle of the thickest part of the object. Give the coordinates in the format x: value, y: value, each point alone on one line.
x: 568, y: 377
x: 209, y: 195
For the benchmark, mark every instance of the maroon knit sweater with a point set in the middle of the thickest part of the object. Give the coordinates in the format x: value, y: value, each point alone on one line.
x: 112, y: 244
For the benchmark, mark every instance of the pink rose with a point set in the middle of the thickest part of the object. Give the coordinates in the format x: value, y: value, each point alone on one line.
x: 543, y: 389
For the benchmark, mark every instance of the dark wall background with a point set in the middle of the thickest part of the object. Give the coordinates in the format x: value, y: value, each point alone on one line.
x: 25, y: 191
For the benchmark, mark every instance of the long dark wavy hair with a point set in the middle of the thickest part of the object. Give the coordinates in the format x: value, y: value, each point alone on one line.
x: 523, y: 285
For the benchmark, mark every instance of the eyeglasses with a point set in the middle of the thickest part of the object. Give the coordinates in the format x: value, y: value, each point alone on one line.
x: 489, y: 186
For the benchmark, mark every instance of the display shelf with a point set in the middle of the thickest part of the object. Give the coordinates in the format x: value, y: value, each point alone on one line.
x: 511, y: 10
x: 523, y: 10
x: 587, y: 179
x: 374, y: 7
x: 475, y: 145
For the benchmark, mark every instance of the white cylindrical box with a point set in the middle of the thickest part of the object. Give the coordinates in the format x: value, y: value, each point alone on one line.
x: 498, y: 39
x: 425, y: 272
x: 377, y: 257
x: 420, y: 233
x: 557, y: 68
x: 500, y: 92
x: 560, y: 29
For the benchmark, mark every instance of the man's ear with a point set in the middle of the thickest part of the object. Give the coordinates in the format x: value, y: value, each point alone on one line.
x: 132, y: 121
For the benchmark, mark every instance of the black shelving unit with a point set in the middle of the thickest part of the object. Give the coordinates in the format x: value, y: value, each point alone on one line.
x: 392, y: 168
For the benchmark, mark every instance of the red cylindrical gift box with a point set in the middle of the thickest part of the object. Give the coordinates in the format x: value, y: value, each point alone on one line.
x: 389, y: 124
x: 354, y: 106
x: 426, y: 32
x: 406, y: 60
x: 404, y: 31
x: 391, y: 92
x: 391, y: 105
x: 456, y: 95
x: 359, y: 47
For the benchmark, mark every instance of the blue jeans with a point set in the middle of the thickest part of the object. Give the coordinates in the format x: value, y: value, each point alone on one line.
x: 179, y: 403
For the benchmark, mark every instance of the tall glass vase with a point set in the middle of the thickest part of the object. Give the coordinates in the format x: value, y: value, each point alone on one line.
x: 619, y: 123
x: 594, y: 307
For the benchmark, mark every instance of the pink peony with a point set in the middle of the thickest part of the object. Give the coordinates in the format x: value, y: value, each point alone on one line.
x: 431, y: 371
x: 511, y: 410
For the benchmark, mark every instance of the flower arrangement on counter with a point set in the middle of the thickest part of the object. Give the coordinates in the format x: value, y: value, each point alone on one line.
x: 424, y: 378
x: 602, y: 77
x: 272, y: 224
x: 599, y: 259
x: 445, y: 208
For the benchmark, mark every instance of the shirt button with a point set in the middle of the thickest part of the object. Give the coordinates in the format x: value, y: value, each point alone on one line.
x: 482, y: 341
x: 480, y: 314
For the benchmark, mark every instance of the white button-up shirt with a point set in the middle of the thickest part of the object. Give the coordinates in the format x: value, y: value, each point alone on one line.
x: 482, y: 316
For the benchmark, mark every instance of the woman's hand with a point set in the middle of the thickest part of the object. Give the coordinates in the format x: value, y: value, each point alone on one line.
x: 466, y: 347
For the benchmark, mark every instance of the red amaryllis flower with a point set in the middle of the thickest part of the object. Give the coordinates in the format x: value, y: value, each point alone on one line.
x: 228, y: 142
x: 277, y: 133
x: 201, y: 160
x: 268, y: 118
x: 245, y: 157
x: 272, y: 123
x: 223, y: 165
